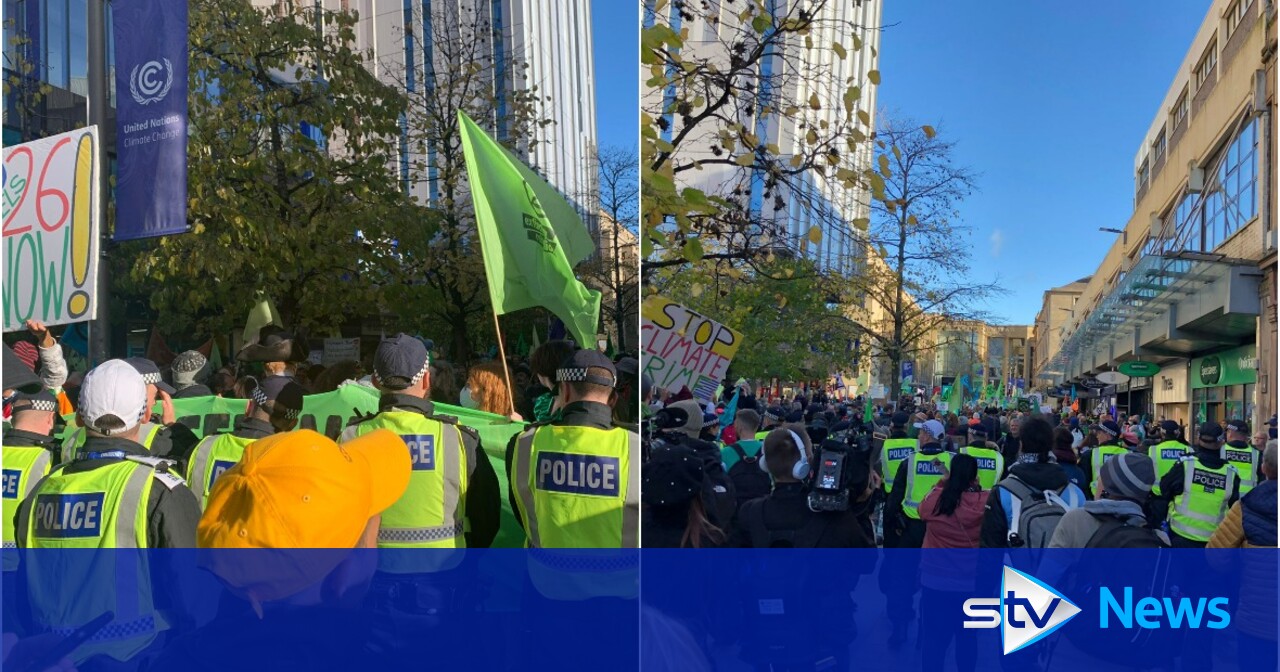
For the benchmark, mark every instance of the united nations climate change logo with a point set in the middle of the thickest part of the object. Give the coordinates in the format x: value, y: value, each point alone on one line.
x: 150, y: 82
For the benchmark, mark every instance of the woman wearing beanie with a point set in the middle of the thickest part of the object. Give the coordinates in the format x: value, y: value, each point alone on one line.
x: 1126, y: 484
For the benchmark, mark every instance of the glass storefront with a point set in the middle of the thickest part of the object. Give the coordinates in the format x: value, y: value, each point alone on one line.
x: 1223, y: 385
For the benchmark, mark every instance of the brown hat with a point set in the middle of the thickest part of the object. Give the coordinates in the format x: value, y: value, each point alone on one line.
x: 274, y: 345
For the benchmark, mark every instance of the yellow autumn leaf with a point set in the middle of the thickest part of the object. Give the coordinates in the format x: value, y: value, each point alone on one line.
x: 815, y: 234
x: 814, y: 102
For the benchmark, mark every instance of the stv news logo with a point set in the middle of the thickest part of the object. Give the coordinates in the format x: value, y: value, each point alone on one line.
x: 1028, y: 609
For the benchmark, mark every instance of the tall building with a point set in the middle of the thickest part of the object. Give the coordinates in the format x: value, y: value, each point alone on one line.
x: 551, y: 39
x: 1190, y: 283
x: 821, y: 74
x: 988, y: 353
x: 1051, y: 323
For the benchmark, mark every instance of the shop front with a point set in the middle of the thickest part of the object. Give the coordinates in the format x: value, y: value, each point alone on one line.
x: 1224, y: 385
x: 1171, y: 392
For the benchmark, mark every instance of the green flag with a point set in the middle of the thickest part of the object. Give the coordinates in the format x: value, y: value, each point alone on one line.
x: 866, y: 411
x: 956, y: 402
x: 261, y: 315
x: 536, y: 342
x: 530, y: 236
x: 215, y: 356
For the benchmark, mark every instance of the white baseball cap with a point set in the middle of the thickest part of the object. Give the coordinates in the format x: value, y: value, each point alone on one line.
x: 934, y: 427
x: 114, y: 387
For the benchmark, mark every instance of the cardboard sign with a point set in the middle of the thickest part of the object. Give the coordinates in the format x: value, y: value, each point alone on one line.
x: 340, y: 350
x: 50, y: 229
x: 685, y: 348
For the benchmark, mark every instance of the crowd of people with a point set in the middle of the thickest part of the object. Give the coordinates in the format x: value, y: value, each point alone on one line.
x: 742, y: 472
x: 403, y: 478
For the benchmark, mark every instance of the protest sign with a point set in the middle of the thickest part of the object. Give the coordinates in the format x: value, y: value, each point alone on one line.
x: 685, y: 348
x: 50, y: 229
x: 340, y: 350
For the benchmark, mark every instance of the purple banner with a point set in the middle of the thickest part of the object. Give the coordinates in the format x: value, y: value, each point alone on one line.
x: 151, y: 117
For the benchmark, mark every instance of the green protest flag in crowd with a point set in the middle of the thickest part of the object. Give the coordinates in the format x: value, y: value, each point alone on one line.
x: 957, y: 398
x: 262, y: 314
x: 530, y: 236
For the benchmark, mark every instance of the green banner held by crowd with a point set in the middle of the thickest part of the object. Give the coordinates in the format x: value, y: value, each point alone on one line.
x: 530, y: 236
x: 329, y: 413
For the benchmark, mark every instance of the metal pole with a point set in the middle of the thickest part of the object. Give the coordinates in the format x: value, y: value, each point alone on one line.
x: 100, y: 327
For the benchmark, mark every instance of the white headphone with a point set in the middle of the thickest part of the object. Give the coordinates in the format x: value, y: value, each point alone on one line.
x: 801, y: 468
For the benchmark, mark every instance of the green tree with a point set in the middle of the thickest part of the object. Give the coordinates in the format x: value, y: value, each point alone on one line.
x: 308, y: 219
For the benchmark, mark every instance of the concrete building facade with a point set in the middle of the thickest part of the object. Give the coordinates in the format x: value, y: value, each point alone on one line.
x: 1185, y: 286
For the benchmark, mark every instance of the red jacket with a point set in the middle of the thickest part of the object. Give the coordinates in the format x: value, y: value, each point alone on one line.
x: 962, y: 529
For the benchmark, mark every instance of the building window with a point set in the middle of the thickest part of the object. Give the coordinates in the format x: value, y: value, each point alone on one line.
x: 1159, y: 146
x: 1235, y: 15
x: 1207, y: 63
x: 1144, y: 173
x: 1180, y: 110
x: 1234, y: 202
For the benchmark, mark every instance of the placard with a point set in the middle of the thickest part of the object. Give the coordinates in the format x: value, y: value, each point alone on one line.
x: 340, y: 350
x: 50, y: 229
x: 685, y: 348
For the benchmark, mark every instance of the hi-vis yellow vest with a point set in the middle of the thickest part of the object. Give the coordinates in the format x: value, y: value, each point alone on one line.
x: 990, y: 465
x: 75, y: 440
x: 105, y: 508
x: 1165, y: 455
x: 212, y: 456
x: 1198, y: 511
x: 1099, y: 457
x: 576, y: 487
x: 922, y: 475
x: 432, y: 511
x: 1245, y: 460
x: 894, y: 453
x: 23, y: 467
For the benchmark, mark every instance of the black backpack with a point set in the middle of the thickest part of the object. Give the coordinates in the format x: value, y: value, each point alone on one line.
x: 1115, y: 533
x: 749, y: 480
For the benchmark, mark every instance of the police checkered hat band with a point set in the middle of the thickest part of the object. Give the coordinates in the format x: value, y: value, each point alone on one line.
x: 575, y: 375
x: 260, y: 399
x: 41, y: 401
x: 151, y: 378
x: 417, y: 378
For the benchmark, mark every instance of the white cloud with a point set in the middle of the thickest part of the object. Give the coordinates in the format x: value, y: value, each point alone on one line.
x: 997, y: 242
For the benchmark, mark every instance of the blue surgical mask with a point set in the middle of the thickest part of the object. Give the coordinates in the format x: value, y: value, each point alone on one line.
x: 465, y: 400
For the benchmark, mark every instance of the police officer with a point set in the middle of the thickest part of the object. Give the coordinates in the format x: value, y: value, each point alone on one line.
x: 28, y: 451
x: 574, y: 483
x: 1241, y: 455
x: 1166, y: 453
x: 161, y: 435
x: 1197, y: 492
x: 1109, y: 445
x: 772, y: 420
x: 113, y: 495
x: 894, y: 449
x: 453, y: 499
x: 903, y: 527
x: 274, y: 407
x: 990, y: 459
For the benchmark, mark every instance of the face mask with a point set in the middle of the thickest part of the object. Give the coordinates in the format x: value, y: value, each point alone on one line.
x: 465, y: 399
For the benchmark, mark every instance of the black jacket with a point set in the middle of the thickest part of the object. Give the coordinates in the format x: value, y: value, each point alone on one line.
x: 1041, y: 476
x: 252, y: 428
x: 785, y: 515
x: 664, y: 527
x: 484, y: 501
x: 719, y: 496
x: 174, y: 442
x: 18, y: 438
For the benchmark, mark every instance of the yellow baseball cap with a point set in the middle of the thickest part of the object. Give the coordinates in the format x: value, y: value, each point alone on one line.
x: 301, y: 489
x: 298, y: 490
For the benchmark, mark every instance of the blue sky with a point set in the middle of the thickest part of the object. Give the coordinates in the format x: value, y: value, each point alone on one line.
x: 615, y: 39
x: 1048, y: 102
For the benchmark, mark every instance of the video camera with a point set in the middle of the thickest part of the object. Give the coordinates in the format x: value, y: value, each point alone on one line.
x: 836, y: 472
